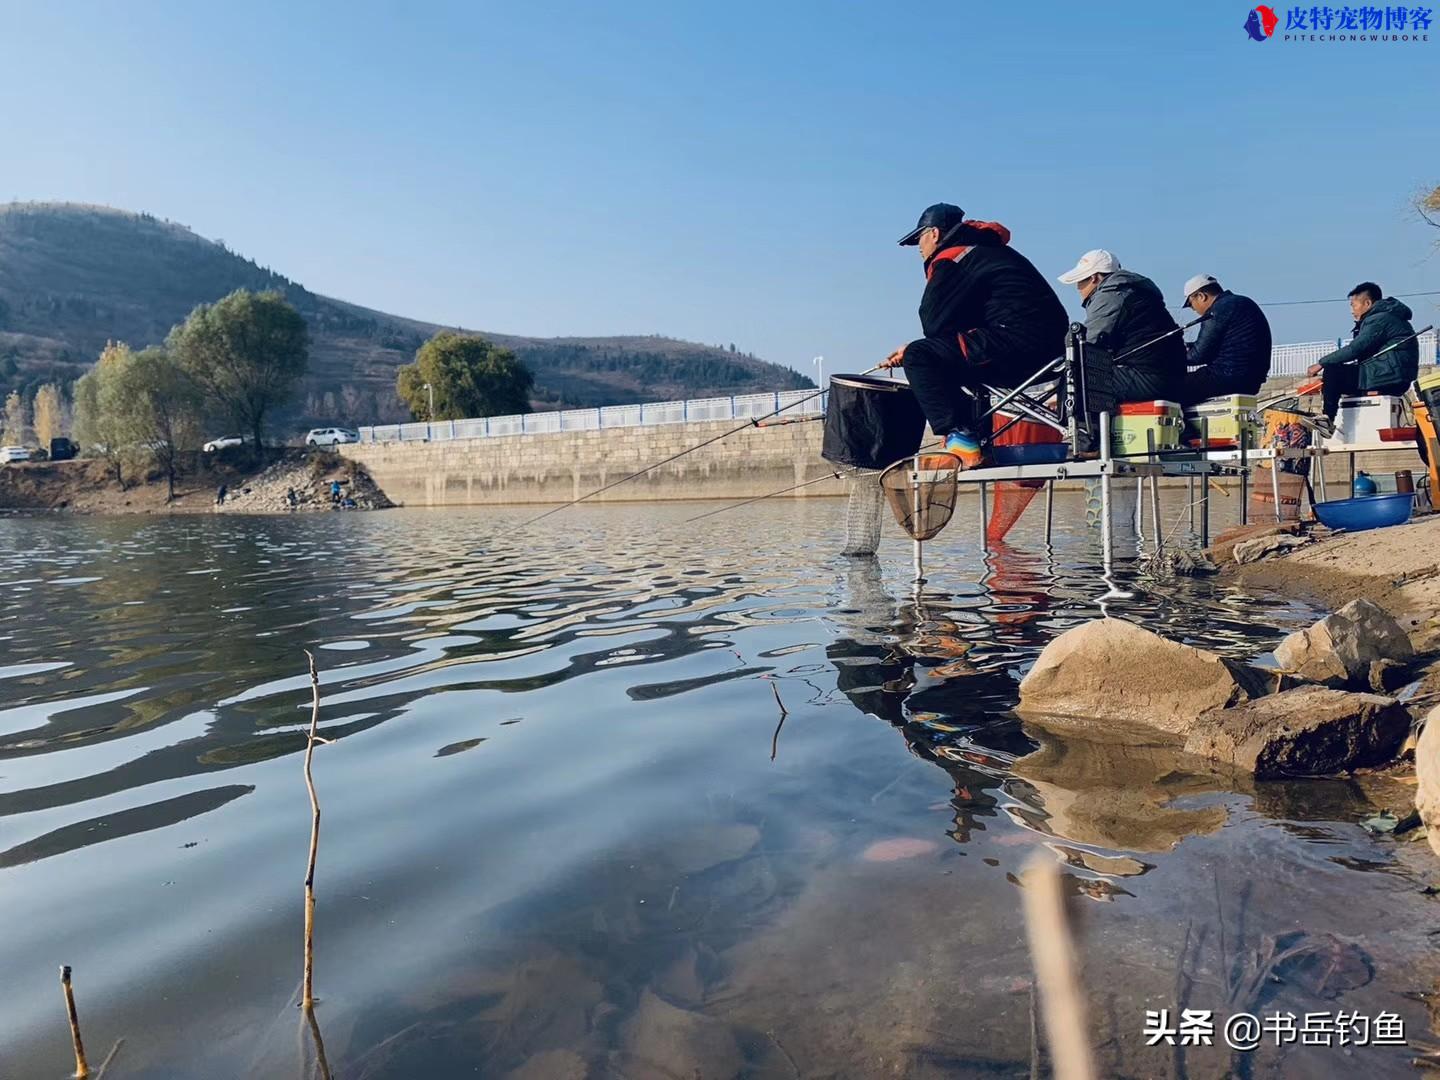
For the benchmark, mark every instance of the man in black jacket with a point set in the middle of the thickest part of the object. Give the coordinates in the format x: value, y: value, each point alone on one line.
x: 988, y: 316
x: 1123, y: 311
x: 1232, y: 353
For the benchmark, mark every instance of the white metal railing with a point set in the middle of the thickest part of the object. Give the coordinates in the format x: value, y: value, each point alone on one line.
x: 1290, y: 359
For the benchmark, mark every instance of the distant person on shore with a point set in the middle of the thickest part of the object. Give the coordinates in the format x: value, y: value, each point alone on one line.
x: 1380, y: 322
x: 291, y: 498
x: 1124, y: 310
x: 988, y: 318
x: 220, y: 495
x: 1232, y: 353
x: 335, y: 491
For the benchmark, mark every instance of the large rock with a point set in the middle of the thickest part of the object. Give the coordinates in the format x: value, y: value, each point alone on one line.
x: 1340, y: 648
x: 1112, y: 669
x: 1308, y: 731
x: 1427, y: 777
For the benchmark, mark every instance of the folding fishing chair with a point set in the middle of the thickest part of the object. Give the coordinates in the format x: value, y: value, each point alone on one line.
x: 1081, y: 383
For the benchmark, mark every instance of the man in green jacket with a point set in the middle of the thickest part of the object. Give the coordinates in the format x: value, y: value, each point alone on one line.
x: 1360, y: 367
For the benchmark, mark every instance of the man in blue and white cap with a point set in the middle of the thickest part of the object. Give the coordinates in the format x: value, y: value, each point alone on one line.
x: 1124, y: 310
x: 988, y: 318
x: 1232, y: 353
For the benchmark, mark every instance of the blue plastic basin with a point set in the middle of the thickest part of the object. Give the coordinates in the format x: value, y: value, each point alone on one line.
x: 1030, y: 453
x: 1366, y: 512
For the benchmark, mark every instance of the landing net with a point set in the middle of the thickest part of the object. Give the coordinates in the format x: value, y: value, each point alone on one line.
x: 922, y: 501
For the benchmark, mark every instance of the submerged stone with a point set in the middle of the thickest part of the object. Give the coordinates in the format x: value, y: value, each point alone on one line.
x: 663, y: 1041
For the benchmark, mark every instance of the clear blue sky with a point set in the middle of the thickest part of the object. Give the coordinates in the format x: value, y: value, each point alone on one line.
x: 734, y: 172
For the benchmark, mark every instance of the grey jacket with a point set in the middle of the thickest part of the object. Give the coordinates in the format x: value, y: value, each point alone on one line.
x: 1126, y: 310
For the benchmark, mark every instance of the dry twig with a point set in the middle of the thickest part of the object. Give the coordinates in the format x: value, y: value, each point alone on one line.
x: 307, y: 984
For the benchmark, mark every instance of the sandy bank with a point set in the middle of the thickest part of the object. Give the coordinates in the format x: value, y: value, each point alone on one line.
x: 1397, y: 568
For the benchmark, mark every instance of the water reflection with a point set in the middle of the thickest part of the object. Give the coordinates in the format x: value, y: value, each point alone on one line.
x: 613, y: 797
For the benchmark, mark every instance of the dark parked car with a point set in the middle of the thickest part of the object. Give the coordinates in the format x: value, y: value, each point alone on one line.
x: 62, y: 449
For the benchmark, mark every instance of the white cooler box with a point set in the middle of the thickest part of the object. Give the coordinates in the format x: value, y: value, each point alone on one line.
x: 1360, y: 419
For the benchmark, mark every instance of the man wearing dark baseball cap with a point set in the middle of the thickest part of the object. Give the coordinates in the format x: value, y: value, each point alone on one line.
x: 987, y: 315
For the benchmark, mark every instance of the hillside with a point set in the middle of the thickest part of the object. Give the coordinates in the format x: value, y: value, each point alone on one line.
x: 73, y: 277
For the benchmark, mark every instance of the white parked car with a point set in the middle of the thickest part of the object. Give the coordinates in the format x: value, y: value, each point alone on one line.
x: 224, y: 442
x: 329, y: 436
x: 14, y: 453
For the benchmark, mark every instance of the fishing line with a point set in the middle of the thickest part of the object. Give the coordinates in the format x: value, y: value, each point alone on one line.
x: 755, y: 423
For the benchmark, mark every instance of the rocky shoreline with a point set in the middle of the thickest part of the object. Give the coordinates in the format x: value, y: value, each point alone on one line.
x: 1354, y: 693
x: 89, y: 486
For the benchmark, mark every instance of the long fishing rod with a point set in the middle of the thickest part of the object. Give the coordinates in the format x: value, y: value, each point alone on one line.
x: 755, y: 422
x: 836, y: 475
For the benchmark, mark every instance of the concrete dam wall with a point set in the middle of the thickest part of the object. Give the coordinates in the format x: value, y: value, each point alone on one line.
x: 558, y: 467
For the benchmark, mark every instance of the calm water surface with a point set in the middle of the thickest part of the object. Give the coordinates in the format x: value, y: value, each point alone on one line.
x: 566, y: 835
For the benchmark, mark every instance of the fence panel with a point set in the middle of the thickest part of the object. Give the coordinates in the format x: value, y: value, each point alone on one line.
x: 715, y: 408
x: 662, y: 412
x: 801, y: 402
x: 620, y: 416
x: 752, y: 405
x: 580, y: 420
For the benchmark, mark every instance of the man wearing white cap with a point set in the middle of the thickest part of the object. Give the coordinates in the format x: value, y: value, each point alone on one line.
x: 1124, y: 310
x: 1232, y: 353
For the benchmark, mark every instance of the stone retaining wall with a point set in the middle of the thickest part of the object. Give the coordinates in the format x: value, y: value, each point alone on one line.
x: 558, y: 467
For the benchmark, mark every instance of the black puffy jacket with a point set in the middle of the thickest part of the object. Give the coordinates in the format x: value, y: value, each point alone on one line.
x: 1127, y: 310
x: 985, y: 296
x: 1234, y: 342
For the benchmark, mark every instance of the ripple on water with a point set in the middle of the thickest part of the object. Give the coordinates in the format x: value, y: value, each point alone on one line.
x: 763, y: 801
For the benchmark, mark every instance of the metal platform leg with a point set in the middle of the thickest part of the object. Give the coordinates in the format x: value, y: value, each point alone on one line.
x: 1275, y: 487
x: 1049, y: 508
x: 984, y: 519
x: 1244, y: 475
x: 1107, y: 538
x: 1140, y: 508
x: 915, y: 510
x: 1155, y: 515
x: 1190, y: 498
x: 1320, y: 470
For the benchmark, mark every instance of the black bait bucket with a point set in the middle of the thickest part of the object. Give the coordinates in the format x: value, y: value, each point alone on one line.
x: 871, y: 423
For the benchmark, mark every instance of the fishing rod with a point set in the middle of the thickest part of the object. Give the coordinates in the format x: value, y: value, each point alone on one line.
x: 838, y: 474
x: 755, y: 422
x: 835, y: 475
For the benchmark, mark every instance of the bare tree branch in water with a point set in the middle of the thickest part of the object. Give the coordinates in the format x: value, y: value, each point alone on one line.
x: 784, y: 712
x: 1052, y: 951
x: 307, y: 985
x: 82, y: 1067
